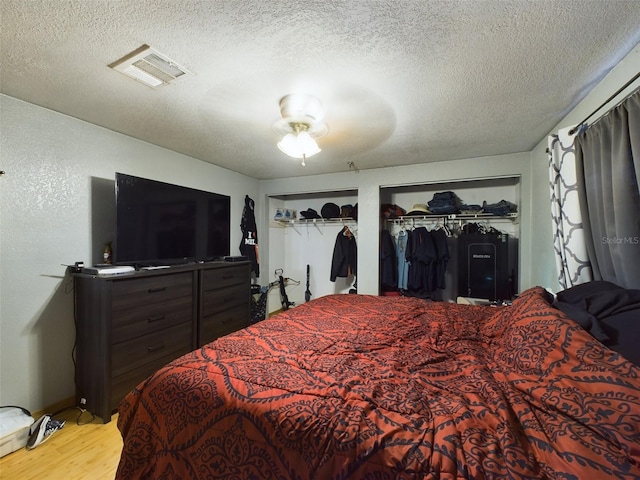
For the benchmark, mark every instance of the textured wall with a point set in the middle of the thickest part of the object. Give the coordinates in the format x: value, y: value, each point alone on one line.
x: 56, y: 207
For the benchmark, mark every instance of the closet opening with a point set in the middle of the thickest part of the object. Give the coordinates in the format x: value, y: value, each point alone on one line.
x: 313, y: 229
x: 451, y: 241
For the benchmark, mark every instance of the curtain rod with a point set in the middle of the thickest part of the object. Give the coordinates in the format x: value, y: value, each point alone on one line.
x: 573, y: 130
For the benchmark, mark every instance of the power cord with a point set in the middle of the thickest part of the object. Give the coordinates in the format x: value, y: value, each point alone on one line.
x: 82, y: 412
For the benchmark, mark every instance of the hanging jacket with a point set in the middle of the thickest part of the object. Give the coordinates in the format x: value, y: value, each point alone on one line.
x: 421, y: 253
x: 440, y: 241
x: 345, y: 254
x: 403, y: 264
x: 388, y: 262
x: 249, y: 242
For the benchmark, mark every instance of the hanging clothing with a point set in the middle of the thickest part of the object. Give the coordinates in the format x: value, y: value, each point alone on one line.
x: 345, y: 254
x: 439, y: 237
x: 249, y: 242
x: 388, y: 262
x: 427, y: 253
x: 422, y: 254
x: 403, y: 264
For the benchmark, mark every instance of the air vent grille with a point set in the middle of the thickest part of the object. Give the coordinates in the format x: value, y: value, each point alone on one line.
x: 156, y: 66
x: 149, y: 67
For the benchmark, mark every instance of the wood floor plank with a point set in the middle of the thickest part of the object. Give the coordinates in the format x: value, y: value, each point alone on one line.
x: 76, y: 452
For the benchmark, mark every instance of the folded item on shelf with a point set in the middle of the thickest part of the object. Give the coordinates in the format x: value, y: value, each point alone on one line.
x: 444, y: 203
x: 503, y: 207
x: 285, y: 214
x: 470, y: 209
x: 388, y: 210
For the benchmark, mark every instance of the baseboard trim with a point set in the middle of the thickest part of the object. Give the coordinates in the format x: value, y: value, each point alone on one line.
x: 56, y: 407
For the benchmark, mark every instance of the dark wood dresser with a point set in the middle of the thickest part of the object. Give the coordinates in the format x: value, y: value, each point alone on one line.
x: 130, y: 325
x: 225, y: 302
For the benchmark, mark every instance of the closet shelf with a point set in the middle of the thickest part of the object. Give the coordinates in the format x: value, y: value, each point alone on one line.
x: 512, y: 217
x: 314, y: 222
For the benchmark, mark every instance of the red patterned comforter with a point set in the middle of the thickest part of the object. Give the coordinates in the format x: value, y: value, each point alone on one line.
x: 355, y: 386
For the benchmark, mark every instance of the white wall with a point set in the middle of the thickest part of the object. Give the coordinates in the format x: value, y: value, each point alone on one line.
x: 543, y: 269
x: 56, y: 207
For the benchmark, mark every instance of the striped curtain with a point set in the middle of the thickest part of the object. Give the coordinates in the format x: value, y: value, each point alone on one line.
x: 572, y: 261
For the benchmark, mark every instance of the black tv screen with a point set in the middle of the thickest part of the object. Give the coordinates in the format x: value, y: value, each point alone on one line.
x: 159, y: 223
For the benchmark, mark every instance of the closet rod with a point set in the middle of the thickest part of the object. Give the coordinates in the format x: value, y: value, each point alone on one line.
x: 574, y: 129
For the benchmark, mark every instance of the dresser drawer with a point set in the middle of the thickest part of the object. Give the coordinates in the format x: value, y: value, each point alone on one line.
x: 123, y: 384
x: 223, y: 277
x: 214, y: 301
x: 220, y: 324
x: 143, y: 291
x: 131, y: 354
x: 144, y: 319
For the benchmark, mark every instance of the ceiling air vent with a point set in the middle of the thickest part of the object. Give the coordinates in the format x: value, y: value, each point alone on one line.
x: 149, y: 67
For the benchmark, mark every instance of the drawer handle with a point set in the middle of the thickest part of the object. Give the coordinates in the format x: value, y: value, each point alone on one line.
x: 228, y: 299
x: 227, y: 277
x: 156, y: 290
x: 156, y: 319
x: 155, y: 348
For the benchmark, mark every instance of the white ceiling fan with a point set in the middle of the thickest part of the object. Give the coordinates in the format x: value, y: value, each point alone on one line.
x: 301, y: 123
x: 344, y: 120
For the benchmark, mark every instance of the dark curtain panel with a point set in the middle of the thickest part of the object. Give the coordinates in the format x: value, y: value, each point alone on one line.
x: 608, y: 171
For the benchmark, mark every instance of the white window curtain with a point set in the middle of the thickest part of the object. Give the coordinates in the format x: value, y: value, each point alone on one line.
x: 572, y: 261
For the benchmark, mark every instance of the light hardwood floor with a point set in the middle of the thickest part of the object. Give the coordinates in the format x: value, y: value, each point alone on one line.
x: 88, y: 451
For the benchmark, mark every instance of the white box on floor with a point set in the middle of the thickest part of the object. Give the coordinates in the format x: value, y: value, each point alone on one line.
x: 14, y: 429
x: 472, y: 301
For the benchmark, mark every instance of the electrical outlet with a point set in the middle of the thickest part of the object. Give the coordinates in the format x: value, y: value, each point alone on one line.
x: 83, y: 401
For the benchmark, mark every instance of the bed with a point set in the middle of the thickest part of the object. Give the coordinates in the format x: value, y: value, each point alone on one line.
x: 366, y: 387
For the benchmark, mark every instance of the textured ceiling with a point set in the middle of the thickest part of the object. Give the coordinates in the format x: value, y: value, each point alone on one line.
x: 401, y: 82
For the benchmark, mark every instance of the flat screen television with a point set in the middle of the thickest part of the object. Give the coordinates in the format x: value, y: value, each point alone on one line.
x: 159, y: 223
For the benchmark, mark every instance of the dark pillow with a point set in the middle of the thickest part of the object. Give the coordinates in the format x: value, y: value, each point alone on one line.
x: 603, y: 308
x: 624, y: 332
x: 578, y: 293
x: 586, y: 320
x: 611, y: 302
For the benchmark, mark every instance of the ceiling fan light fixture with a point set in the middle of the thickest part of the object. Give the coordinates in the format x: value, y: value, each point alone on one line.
x: 307, y: 144
x: 299, y: 144
x: 300, y: 125
x: 289, y: 145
